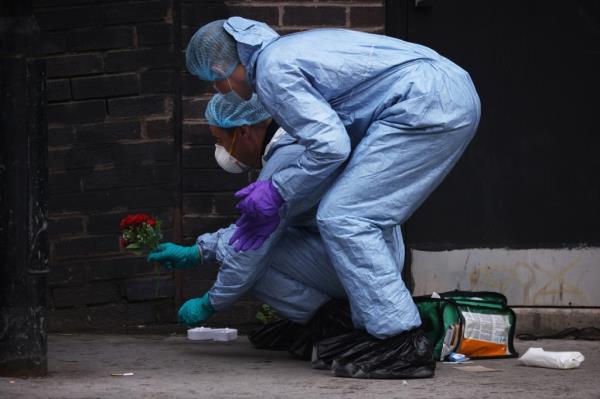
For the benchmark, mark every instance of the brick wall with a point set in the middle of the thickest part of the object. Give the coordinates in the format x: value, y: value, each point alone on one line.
x: 127, y: 134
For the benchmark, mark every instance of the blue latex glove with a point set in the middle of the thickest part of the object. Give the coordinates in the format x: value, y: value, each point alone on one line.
x: 260, y: 215
x: 196, y: 311
x: 173, y: 256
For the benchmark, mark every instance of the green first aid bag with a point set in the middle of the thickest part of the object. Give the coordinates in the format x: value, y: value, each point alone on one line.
x: 477, y: 324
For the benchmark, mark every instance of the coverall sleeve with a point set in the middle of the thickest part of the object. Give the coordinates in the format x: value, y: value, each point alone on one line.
x: 208, y: 242
x: 286, y: 92
x: 238, y: 271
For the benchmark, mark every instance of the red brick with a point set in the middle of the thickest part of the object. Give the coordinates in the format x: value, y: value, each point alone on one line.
x: 53, y: 42
x: 197, y: 133
x: 143, y: 58
x: 77, y: 112
x: 149, y: 288
x: 67, y: 18
x: 86, y: 246
x: 196, y: 225
x: 129, y: 177
x: 89, y: 294
x: 160, y: 128
x: 120, y: 268
x: 200, y: 13
x: 105, y: 86
x: 314, y: 15
x: 198, y: 203
x: 61, y: 136
x: 157, y: 82
x: 65, y: 226
x: 66, y: 273
x: 199, y: 157
x: 139, y: 11
x: 64, y: 182
x: 198, y: 180
x: 194, y: 108
x: 268, y: 15
x: 144, y: 198
x: 100, y: 38
x: 73, y: 65
x: 156, y: 33
x: 192, y: 86
x: 367, y: 16
x: 58, y: 90
x: 138, y: 105
x: 107, y: 133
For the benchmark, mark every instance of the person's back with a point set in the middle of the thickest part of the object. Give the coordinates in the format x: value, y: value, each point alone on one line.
x: 337, y: 61
x: 359, y: 74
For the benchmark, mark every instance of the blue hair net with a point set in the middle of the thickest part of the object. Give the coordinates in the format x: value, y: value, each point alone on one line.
x: 211, y: 53
x: 225, y: 114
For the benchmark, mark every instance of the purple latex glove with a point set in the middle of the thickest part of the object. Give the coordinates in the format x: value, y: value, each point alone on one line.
x: 260, y: 215
x: 251, y: 232
x: 260, y: 200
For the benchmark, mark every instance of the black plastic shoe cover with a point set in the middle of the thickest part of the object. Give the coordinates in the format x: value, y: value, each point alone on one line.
x: 360, y: 355
x: 331, y: 319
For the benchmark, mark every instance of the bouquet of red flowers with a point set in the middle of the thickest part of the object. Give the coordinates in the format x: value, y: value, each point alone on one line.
x: 140, y: 233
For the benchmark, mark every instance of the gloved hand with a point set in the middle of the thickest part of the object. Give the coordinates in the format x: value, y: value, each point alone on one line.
x: 251, y: 233
x: 259, y: 199
x: 175, y: 256
x: 196, y: 311
x: 260, y: 215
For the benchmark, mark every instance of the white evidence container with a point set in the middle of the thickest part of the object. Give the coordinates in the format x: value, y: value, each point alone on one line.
x: 212, y: 334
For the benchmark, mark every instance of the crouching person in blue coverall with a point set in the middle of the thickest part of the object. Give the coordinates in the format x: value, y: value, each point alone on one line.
x: 290, y: 269
x: 381, y: 122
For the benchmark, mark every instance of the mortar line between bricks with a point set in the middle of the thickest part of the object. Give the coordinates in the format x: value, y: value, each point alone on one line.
x: 178, y: 120
x: 306, y: 27
x: 108, y: 143
x: 280, y: 12
x: 366, y: 30
x: 305, y: 5
x: 347, y: 15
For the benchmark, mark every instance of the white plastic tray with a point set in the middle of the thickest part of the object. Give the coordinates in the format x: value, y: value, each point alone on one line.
x: 212, y: 334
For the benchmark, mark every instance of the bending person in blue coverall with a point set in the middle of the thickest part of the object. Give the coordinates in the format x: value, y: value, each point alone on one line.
x: 298, y: 277
x: 382, y: 121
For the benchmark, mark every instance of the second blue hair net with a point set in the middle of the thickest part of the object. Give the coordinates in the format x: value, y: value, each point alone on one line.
x: 225, y: 114
x: 211, y: 53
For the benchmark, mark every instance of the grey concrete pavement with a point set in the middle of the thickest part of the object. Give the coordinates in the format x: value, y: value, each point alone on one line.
x: 173, y: 367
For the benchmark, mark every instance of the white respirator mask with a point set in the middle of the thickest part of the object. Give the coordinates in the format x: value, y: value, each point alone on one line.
x: 228, y: 161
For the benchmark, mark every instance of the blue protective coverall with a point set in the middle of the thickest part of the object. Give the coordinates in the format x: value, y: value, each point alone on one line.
x: 388, y: 119
x: 291, y: 271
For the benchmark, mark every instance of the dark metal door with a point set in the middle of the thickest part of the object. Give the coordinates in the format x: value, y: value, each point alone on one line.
x: 531, y: 176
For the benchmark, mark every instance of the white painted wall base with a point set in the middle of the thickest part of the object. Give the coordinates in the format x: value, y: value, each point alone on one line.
x: 529, y: 277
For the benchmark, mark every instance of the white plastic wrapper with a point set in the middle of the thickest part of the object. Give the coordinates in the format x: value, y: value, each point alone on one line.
x: 538, y: 357
x: 212, y: 334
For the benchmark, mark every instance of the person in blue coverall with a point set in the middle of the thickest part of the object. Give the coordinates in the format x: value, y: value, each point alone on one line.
x: 382, y: 121
x: 298, y: 277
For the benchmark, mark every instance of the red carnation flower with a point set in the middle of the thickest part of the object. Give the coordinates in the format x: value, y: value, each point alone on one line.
x: 140, y: 233
x: 136, y: 220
